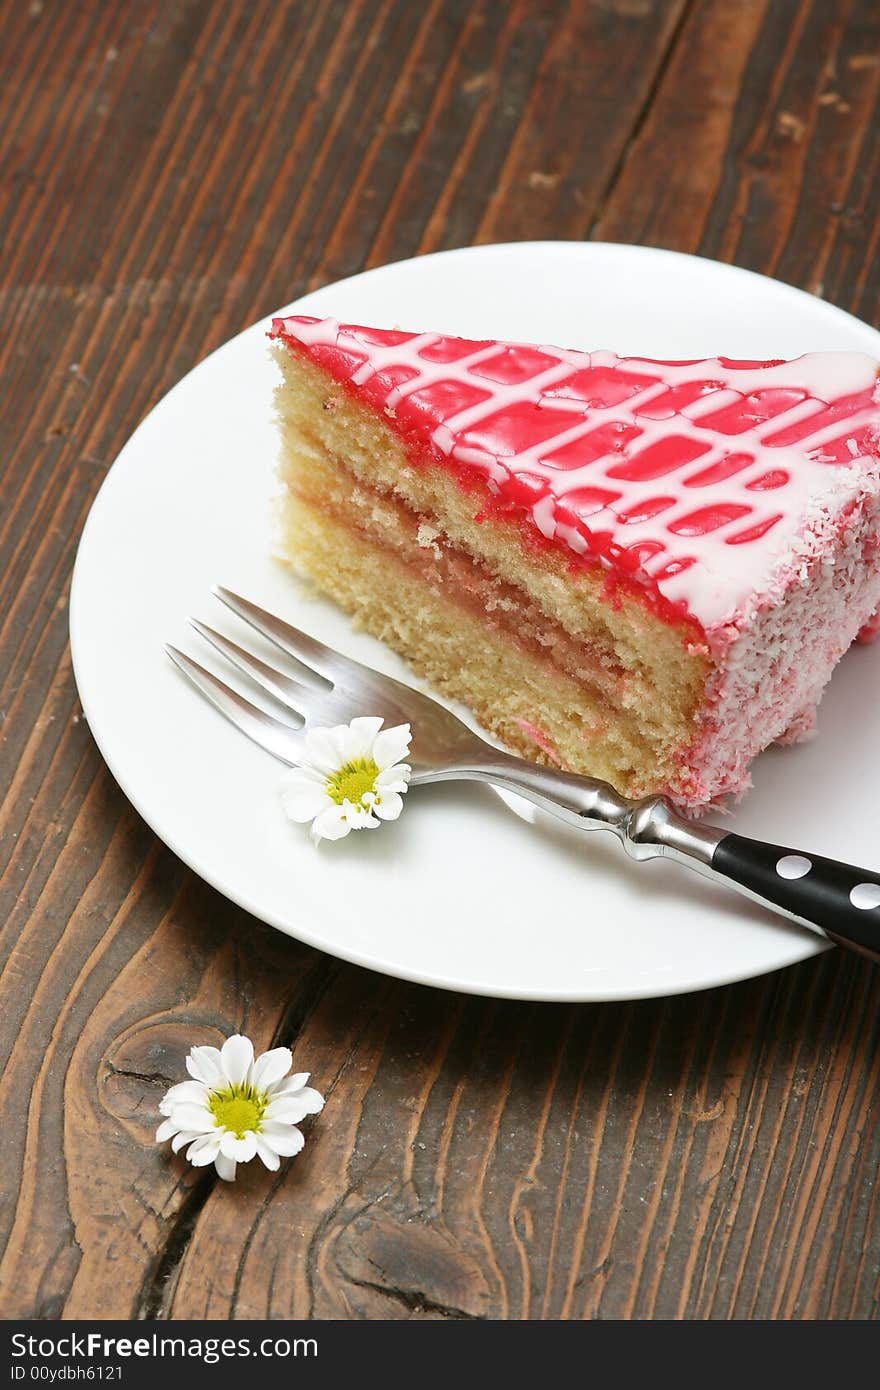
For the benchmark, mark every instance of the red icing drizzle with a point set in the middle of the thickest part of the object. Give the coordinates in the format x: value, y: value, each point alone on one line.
x: 707, y: 519
x: 667, y: 455
x: 525, y: 436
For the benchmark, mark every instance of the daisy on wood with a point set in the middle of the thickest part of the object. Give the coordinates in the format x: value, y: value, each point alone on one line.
x: 236, y: 1107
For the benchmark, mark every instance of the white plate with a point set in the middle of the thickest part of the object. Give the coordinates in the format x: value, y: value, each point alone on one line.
x: 459, y: 892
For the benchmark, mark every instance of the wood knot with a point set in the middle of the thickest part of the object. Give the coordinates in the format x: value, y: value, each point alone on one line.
x: 140, y: 1066
x: 398, y: 1265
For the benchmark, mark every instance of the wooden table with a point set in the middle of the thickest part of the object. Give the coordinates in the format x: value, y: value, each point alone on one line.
x: 174, y: 170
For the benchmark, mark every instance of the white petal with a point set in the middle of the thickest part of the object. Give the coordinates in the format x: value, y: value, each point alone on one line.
x: 237, y: 1056
x: 361, y: 735
x: 198, y: 1118
x: 303, y: 775
x: 349, y: 746
x: 285, y: 1140
x: 324, y: 749
x: 204, y: 1150
x: 289, y: 1083
x: 166, y: 1130
x: 203, y: 1063
x: 394, y: 779
x: 288, y: 1110
x: 270, y: 1067
x: 331, y: 824
x: 302, y: 809
x: 268, y: 1155
x: 225, y: 1167
x: 391, y: 746
x: 242, y: 1150
x: 359, y: 817
x: 291, y: 1109
x: 185, y: 1092
x: 312, y: 1099
x: 389, y: 806
x: 181, y: 1140
x: 304, y: 800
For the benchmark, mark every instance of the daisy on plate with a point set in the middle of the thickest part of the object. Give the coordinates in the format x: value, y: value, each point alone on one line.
x: 351, y: 777
x: 236, y: 1107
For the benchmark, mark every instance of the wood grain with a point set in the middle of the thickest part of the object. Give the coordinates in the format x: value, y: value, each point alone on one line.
x: 170, y: 172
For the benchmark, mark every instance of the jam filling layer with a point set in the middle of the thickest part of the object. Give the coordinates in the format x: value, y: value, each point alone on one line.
x: 455, y: 576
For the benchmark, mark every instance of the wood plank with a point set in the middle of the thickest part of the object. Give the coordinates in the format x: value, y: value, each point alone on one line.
x: 776, y: 106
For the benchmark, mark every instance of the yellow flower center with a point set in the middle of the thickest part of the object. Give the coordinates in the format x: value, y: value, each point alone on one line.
x: 238, y: 1109
x: 353, y: 781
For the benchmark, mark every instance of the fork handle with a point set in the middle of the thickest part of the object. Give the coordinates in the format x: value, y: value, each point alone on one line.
x: 839, y: 899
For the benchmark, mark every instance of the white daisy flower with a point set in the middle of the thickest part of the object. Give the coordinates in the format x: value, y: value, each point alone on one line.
x: 351, y: 778
x: 236, y: 1107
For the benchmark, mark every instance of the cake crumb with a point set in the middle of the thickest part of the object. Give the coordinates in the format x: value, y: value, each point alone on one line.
x: 426, y: 538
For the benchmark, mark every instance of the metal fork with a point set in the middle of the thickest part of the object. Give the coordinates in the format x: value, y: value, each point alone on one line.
x: 839, y: 901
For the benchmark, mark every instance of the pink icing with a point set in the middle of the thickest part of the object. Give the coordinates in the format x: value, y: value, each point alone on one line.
x: 693, y: 480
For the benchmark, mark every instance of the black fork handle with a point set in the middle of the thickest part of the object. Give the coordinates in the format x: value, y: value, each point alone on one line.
x: 841, y: 900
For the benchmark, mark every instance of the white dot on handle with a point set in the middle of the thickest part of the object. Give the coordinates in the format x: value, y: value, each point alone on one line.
x: 865, y: 895
x: 793, y: 866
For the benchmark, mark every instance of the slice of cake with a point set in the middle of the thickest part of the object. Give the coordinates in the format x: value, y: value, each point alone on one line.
x: 641, y: 570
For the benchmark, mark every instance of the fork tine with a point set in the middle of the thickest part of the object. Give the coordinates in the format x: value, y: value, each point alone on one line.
x: 332, y: 666
x: 290, y: 692
x: 275, y: 737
